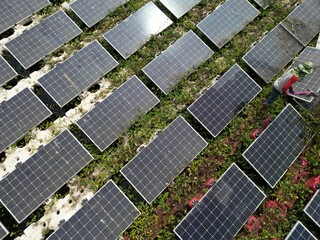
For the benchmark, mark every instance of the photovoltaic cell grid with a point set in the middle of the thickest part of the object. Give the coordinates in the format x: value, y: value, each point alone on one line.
x: 105, y: 216
x: 264, y: 3
x: 34, y: 44
x: 304, y: 21
x: 35, y: 180
x: 272, y: 53
x: 224, y: 100
x: 157, y: 165
x: 313, y: 208
x: 6, y: 71
x: 224, y: 209
x: 179, y: 7
x: 3, y: 231
x: 177, y: 61
x: 12, y: 12
x: 111, y: 117
x: 18, y: 115
x: 300, y: 232
x: 91, y: 12
x: 77, y: 73
x: 273, y: 152
x: 129, y: 35
x: 227, y: 20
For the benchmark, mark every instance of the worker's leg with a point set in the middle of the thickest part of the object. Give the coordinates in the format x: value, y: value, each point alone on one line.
x: 272, y: 97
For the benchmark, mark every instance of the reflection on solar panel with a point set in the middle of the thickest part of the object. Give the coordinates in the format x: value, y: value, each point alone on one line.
x: 105, y: 216
x: 304, y: 21
x: 18, y: 115
x: 111, y: 117
x: 264, y: 3
x: 157, y: 165
x: 35, y: 180
x: 179, y: 7
x: 129, y: 35
x: 34, y: 44
x: 272, y: 53
x: 177, y: 61
x: 3, y: 231
x: 12, y: 12
x: 224, y: 100
x: 278, y: 146
x: 300, y: 232
x: 77, y: 73
x: 91, y: 12
x: 6, y: 71
x: 227, y: 20
x: 313, y: 208
x: 224, y: 209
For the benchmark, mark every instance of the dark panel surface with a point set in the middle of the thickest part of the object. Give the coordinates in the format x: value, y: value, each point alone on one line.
x: 313, y: 208
x: 300, y: 232
x: 6, y: 71
x: 3, y: 231
x: 179, y: 7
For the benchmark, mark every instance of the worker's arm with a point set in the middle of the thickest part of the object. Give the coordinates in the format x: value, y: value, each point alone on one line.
x: 288, y: 85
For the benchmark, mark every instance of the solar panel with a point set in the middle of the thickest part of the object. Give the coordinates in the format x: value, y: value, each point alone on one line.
x: 51, y: 33
x: 227, y: 20
x: 129, y: 35
x: 111, y: 117
x: 224, y: 209
x: 91, y: 12
x: 177, y: 61
x: 273, y: 152
x: 272, y: 53
x: 3, y: 231
x: 6, y: 71
x: 313, y: 208
x: 264, y: 3
x: 157, y: 165
x: 223, y: 101
x: 300, y: 232
x: 309, y: 105
x: 35, y: 180
x: 105, y: 216
x: 18, y: 115
x: 304, y: 21
x: 179, y: 7
x: 12, y: 12
x: 77, y: 73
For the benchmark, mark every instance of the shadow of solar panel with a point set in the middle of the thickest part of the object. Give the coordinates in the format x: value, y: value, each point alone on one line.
x: 179, y: 7
x: 129, y: 35
x: 111, y: 117
x: 19, y: 114
x: 300, y: 232
x: 227, y: 20
x: 6, y: 71
x: 157, y: 165
x: 272, y: 53
x: 51, y: 33
x: 273, y: 152
x: 304, y: 21
x: 77, y: 73
x: 224, y: 209
x: 313, y: 208
x: 105, y: 216
x: 223, y: 101
x: 178, y: 61
x: 311, y: 106
x: 3, y: 231
x: 264, y: 3
x: 92, y: 11
x: 12, y: 12
x: 35, y: 180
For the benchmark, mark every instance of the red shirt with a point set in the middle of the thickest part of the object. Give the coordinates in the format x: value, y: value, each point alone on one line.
x: 288, y: 84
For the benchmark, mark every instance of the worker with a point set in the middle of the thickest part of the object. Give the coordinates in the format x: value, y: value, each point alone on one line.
x: 284, y: 83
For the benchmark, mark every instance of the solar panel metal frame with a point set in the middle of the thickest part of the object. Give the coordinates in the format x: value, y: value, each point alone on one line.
x: 185, y: 6
x: 7, y: 72
x: 3, y: 231
x: 113, y: 36
x: 85, y: 207
x: 261, y: 136
x: 152, y: 142
x: 72, y: 62
x: 14, y: 47
x: 308, y: 207
x: 176, y: 77
x: 295, y: 230
x: 216, y: 26
x: 214, y: 186
x: 264, y: 3
x: 107, y: 99
x: 207, y: 92
x: 43, y: 197
x: 89, y: 7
